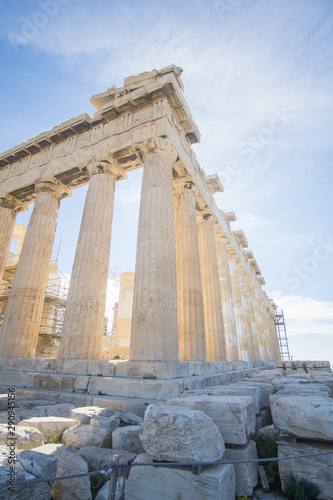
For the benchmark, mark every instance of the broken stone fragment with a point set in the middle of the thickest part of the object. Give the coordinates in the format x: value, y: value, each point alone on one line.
x: 180, y: 434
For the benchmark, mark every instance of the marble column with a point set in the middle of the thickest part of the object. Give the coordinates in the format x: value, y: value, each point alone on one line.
x: 9, y: 208
x: 238, y: 307
x: 259, y: 323
x: 254, y: 331
x: 82, y: 333
x: 274, y: 343
x: 215, y: 341
x: 123, y: 319
x: 246, y: 311
x: 229, y: 319
x: 266, y: 330
x: 154, y: 319
x: 191, y: 319
x: 20, y: 328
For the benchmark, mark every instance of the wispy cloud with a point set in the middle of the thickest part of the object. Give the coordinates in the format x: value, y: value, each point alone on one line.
x: 305, y: 315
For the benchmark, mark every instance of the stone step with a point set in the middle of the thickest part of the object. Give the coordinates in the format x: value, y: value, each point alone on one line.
x: 117, y: 386
x: 121, y: 404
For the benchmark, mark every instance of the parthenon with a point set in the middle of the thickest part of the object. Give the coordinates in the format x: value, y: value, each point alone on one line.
x: 198, y: 293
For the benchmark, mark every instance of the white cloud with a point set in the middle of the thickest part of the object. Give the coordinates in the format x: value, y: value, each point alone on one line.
x: 305, y: 315
x: 248, y: 222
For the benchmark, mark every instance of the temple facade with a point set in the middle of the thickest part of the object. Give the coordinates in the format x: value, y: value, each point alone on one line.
x: 197, y: 293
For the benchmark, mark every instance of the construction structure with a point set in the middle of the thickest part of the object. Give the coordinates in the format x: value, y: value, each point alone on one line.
x: 54, y: 301
x: 282, y: 335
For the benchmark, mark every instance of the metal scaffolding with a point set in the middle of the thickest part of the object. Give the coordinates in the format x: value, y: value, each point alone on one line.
x: 54, y: 302
x: 282, y: 335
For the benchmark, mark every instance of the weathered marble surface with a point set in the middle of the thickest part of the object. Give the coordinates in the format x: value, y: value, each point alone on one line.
x: 315, y: 469
x: 246, y: 473
x: 304, y: 417
x: 178, y: 434
x: 213, y: 482
x: 234, y: 416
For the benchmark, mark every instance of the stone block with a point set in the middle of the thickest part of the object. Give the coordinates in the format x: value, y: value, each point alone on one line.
x: 214, y: 482
x: 304, y: 417
x: 3, y: 402
x: 229, y: 390
x: 267, y: 375
x: 60, y: 410
x: 127, y: 387
x: 87, y: 435
x: 131, y: 418
x: 246, y: 473
x: 178, y: 434
x: 315, y: 469
x: 111, y: 423
x: 69, y: 461
x: 25, y: 438
x: 4, y: 418
x: 265, y: 388
x: 50, y: 427
x: 101, y: 458
x: 306, y: 387
x: 269, y: 431
x: 288, y: 393
x: 38, y: 465
x: 327, y: 381
x: 31, y: 491
x: 85, y: 413
x: 127, y: 438
x: 284, y: 381
x: 235, y: 416
x: 317, y: 366
x: 26, y: 414
x: 33, y: 403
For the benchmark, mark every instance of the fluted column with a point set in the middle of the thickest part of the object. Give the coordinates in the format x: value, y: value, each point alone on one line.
x: 215, y: 341
x: 246, y: 312
x: 229, y: 319
x: 191, y: 319
x: 273, y: 340
x: 259, y: 323
x: 82, y: 333
x: 263, y: 313
x: 254, y: 330
x: 9, y: 208
x: 20, y: 328
x: 154, y: 320
x: 238, y: 307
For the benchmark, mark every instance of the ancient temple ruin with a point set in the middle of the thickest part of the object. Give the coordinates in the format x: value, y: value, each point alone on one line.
x: 198, y: 290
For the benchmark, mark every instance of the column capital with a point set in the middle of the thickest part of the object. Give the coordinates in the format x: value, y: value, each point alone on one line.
x: 106, y: 166
x: 232, y: 252
x: 240, y: 238
x: 13, y: 204
x: 221, y: 235
x: 206, y: 215
x: 159, y: 145
x: 185, y: 183
x: 55, y: 186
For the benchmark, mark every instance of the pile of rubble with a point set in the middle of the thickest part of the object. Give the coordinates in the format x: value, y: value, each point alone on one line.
x: 208, y: 425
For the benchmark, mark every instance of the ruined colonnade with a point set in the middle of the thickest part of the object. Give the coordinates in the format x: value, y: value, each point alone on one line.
x: 197, y: 292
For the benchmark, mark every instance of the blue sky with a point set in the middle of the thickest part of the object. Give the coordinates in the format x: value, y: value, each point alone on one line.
x: 258, y: 78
